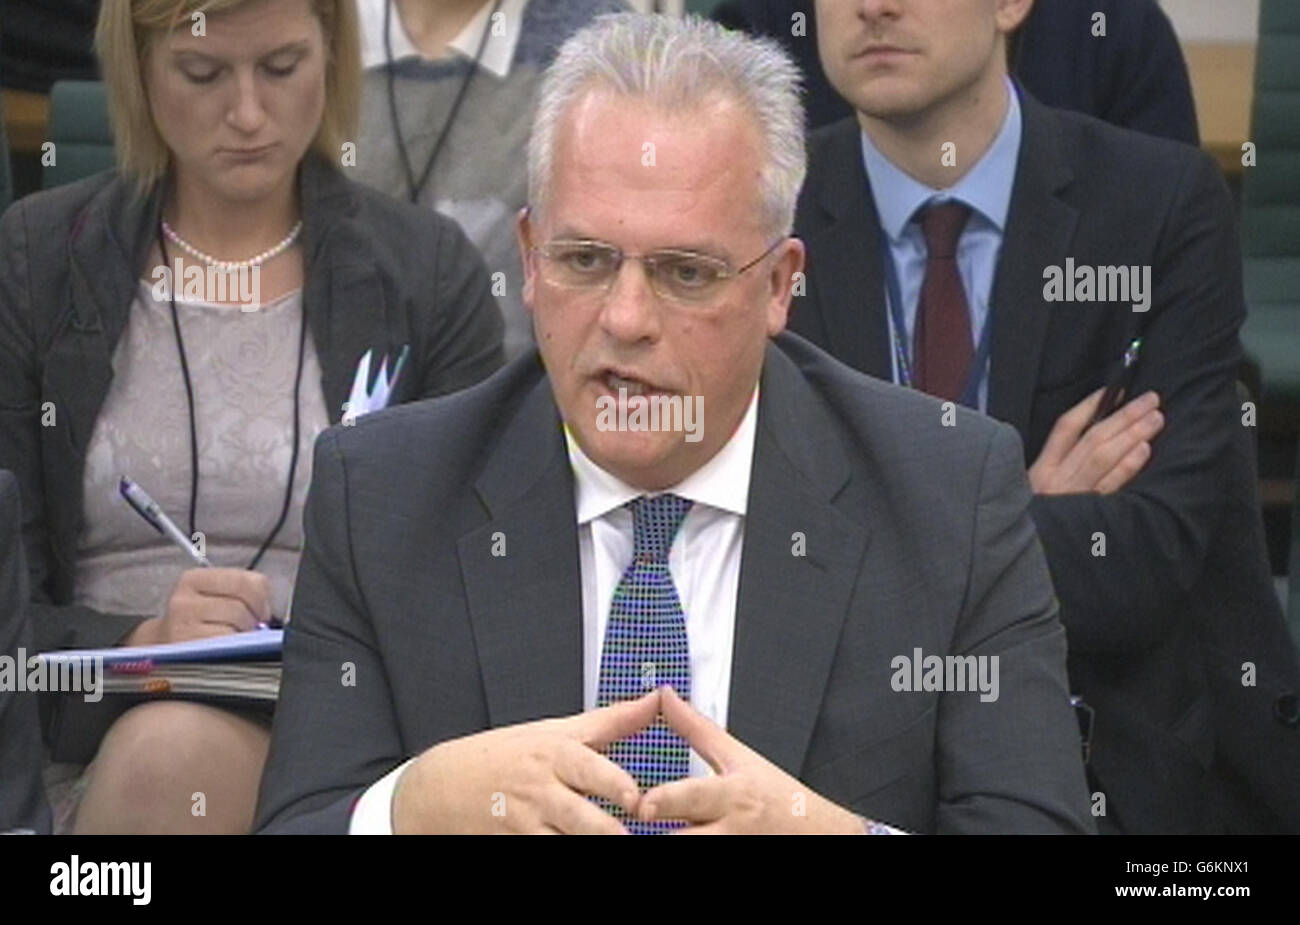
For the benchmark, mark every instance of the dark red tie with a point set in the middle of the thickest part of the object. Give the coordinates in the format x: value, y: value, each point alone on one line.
x: 943, y: 347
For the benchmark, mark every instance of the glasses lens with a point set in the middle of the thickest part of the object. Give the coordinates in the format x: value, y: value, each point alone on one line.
x: 687, y: 277
x: 579, y: 264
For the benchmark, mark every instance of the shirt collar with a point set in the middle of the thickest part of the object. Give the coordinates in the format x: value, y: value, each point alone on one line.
x: 498, y: 53
x: 722, y: 482
x: 986, y: 187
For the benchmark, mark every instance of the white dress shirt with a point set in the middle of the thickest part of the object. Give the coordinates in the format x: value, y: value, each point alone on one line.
x: 704, y: 562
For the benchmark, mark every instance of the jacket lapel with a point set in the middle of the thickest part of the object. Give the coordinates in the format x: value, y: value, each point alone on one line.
x: 348, y: 309
x: 791, y: 607
x: 1040, y: 227
x: 526, y: 605
x: 846, y: 274
x: 106, y: 250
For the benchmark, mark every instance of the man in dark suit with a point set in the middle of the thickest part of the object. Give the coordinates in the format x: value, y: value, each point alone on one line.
x: 482, y: 571
x: 22, y: 799
x: 959, y: 234
x: 1126, y: 69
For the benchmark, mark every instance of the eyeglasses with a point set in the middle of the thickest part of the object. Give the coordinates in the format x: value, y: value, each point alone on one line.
x: 676, y: 275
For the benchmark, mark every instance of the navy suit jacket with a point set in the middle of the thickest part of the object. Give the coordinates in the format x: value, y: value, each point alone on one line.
x: 1185, y: 565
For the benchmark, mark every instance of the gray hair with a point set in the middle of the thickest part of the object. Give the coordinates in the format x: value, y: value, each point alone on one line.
x: 676, y: 63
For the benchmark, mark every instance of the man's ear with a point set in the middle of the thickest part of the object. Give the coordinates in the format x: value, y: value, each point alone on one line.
x: 787, y: 272
x: 1010, y: 15
x: 524, y: 240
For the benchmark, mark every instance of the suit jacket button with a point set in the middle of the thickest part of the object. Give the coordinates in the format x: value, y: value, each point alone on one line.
x: 1287, y: 709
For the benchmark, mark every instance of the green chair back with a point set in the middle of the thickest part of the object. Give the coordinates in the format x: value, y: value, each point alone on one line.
x: 1270, y: 217
x: 83, y: 141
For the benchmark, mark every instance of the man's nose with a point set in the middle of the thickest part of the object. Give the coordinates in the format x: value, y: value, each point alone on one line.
x: 246, y: 113
x: 875, y: 9
x: 631, y: 307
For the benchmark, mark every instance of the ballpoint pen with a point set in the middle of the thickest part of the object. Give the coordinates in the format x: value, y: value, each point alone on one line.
x: 154, y: 515
x: 147, y: 508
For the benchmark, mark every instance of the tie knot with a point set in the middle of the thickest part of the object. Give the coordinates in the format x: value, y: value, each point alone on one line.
x: 942, y: 226
x: 654, y: 524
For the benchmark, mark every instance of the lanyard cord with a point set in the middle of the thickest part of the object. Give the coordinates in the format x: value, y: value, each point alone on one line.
x: 413, y: 187
x: 189, y: 398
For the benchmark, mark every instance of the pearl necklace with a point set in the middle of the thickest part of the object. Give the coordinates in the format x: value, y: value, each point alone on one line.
x: 230, y: 266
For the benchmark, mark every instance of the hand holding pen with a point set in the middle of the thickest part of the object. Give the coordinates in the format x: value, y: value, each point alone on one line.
x: 206, y: 601
x: 1099, y: 445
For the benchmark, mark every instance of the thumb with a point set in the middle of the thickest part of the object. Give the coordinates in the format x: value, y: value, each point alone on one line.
x: 598, y: 728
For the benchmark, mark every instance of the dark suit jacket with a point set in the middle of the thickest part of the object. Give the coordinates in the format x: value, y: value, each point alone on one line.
x: 1134, y: 77
x: 917, y: 536
x: 22, y: 798
x: 378, y: 274
x: 1106, y: 197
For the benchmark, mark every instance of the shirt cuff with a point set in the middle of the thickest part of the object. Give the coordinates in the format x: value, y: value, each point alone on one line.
x: 373, y: 814
x: 871, y: 827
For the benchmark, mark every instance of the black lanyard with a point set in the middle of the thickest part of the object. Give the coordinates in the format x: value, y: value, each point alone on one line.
x: 413, y: 186
x: 903, y: 354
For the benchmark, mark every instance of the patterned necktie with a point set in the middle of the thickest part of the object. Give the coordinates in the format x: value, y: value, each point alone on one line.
x: 645, y: 647
x: 943, y: 337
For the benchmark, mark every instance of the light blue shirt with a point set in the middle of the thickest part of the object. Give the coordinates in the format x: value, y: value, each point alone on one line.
x: 986, y: 188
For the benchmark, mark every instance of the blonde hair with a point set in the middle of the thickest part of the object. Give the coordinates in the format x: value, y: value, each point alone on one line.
x: 127, y: 32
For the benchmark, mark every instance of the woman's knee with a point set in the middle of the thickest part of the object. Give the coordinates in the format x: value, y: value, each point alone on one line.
x: 176, y: 766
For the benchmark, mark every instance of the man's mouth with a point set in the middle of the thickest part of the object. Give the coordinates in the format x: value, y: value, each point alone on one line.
x: 615, y: 382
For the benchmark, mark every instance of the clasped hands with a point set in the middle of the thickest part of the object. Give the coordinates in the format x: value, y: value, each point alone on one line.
x: 537, y: 778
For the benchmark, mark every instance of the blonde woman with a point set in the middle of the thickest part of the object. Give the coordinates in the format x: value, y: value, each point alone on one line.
x: 193, y: 320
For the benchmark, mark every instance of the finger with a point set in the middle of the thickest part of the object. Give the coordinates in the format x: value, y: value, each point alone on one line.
x: 589, y: 772
x: 571, y: 814
x: 1125, y: 470
x: 185, y: 631
x: 695, y: 799
x: 704, y: 735
x: 1125, y: 417
x: 253, y: 588
x: 1097, y: 457
x: 1067, y: 429
x: 598, y: 728
x: 225, y: 611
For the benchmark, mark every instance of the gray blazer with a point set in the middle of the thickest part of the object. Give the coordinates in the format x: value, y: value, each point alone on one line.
x: 379, y: 274
x: 22, y: 799
x: 917, y: 536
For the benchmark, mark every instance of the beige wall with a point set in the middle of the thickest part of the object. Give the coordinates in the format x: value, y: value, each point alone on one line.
x: 1214, y: 20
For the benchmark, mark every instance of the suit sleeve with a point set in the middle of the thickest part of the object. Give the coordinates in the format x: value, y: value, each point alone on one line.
x: 463, y: 341
x: 1157, y: 529
x: 1012, y: 764
x: 54, y: 626
x: 22, y: 799
x: 335, y: 731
